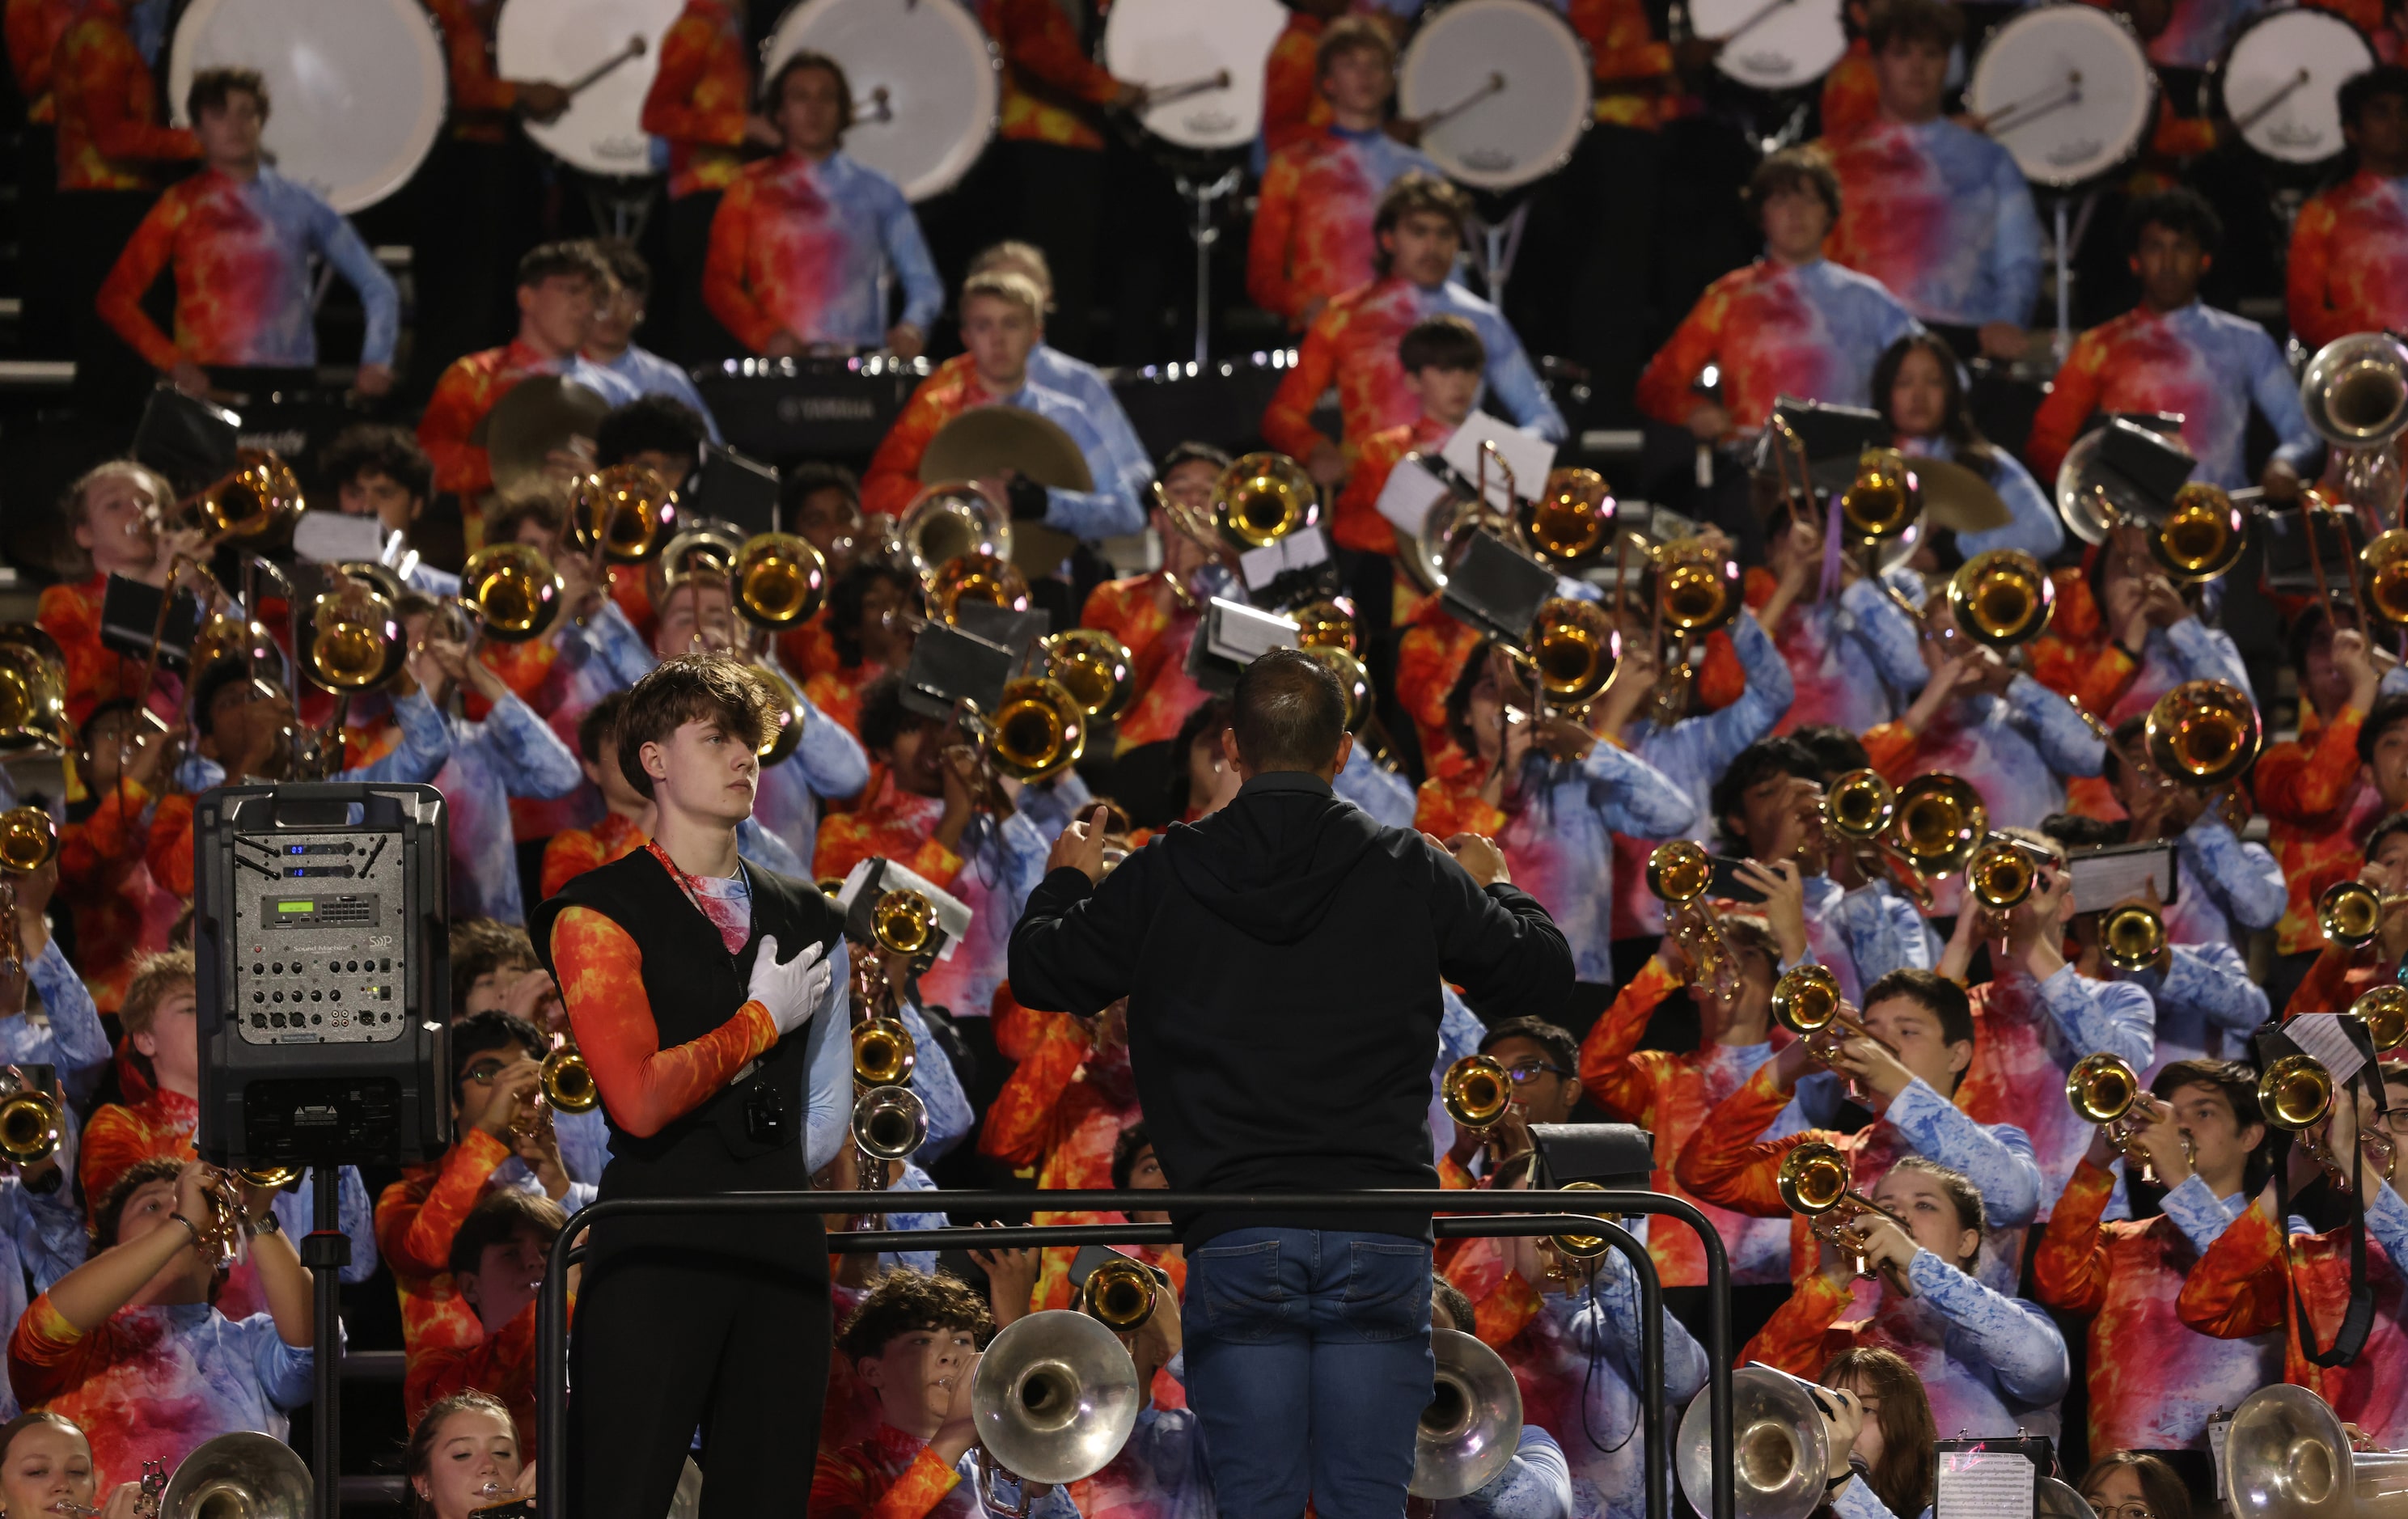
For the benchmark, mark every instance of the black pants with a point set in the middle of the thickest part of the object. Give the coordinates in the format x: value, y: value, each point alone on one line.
x: 696, y: 335
x: 667, y: 1340
x: 88, y: 229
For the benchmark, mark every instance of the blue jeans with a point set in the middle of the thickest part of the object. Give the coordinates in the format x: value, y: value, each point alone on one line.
x: 1309, y: 1365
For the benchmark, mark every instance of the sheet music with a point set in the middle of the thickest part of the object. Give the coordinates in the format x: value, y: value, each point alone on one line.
x: 1984, y: 1484
x: 2320, y: 1034
x: 1529, y: 455
x: 1411, y: 492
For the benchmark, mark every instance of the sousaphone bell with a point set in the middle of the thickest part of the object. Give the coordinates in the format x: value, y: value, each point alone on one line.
x: 1780, y: 1447
x: 1473, y: 1425
x: 1054, y: 1396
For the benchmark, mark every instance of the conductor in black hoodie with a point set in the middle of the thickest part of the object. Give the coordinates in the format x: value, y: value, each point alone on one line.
x: 1282, y: 960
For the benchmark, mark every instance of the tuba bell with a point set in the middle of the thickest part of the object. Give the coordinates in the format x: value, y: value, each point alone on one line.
x: 1263, y: 497
x: 515, y: 590
x: 1054, y: 1396
x: 242, y: 1475
x: 2288, y: 1456
x: 950, y: 519
x: 1780, y: 1447
x: 627, y: 513
x: 1476, y: 1091
x: 1472, y: 1426
x: 2001, y: 599
x: 2295, y: 1091
x: 1119, y: 1294
x: 2133, y: 936
x: 2355, y: 391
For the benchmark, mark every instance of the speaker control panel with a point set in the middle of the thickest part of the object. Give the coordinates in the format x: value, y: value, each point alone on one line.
x: 317, y: 938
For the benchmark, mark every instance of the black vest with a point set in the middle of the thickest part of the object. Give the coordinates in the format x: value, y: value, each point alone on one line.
x: 693, y: 986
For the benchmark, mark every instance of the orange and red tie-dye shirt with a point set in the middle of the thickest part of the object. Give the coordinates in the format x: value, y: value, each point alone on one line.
x: 701, y: 96
x: 1293, y: 104
x: 1157, y: 630
x: 2317, y: 803
x: 809, y: 649
x: 1429, y: 660
x: 1051, y: 87
x: 891, y: 823
x: 572, y: 851
x: 108, y: 107
x: 1356, y: 523
x: 120, y: 912
x: 1851, y: 93
x: 891, y: 1475
x: 70, y: 614
x: 1312, y: 235
x: 1627, y: 60
x: 416, y: 1220
x: 503, y: 1364
x: 481, y: 100
x: 34, y: 28
x: 836, y: 692
x: 464, y: 393
x: 2348, y: 270
x: 893, y: 477
x: 1353, y: 345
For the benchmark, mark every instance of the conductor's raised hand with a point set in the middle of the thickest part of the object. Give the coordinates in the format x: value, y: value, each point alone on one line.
x: 792, y: 990
x: 1081, y: 846
x: 1477, y: 855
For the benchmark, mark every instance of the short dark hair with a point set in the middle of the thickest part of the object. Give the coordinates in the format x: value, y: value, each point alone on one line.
x: 773, y: 90
x: 2134, y: 730
x: 650, y: 425
x: 627, y: 267
x: 690, y: 688
x: 1914, y: 20
x: 233, y: 670
x: 1794, y: 170
x: 1553, y: 1038
x: 902, y: 1300
x: 571, y: 258
x: 211, y: 87
x: 1458, y: 696
x: 2074, y: 831
x: 373, y: 448
x: 539, y: 501
x: 1836, y: 749
x: 1448, y: 1298
x: 110, y: 1211
x: 1757, y: 763
x: 1191, y: 452
x: 481, y: 946
x: 1943, y: 997
x: 2359, y: 91
x: 1289, y: 712
x: 2180, y: 210
x: 1350, y: 34
x: 496, y: 1220
x: 596, y: 726
x: 808, y: 479
x: 1202, y: 724
x: 2384, y: 829
x: 483, y: 1032
x: 2389, y: 710
x: 2161, y: 1488
x: 1133, y: 1143
x: 849, y: 594
x: 883, y: 717
x: 1442, y: 342
x: 1411, y: 192
x: 2237, y: 1082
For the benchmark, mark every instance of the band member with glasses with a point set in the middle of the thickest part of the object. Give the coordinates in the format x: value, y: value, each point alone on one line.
x: 2154, y: 1382
x: 2134, y: 1484
x: 1992, y: 1364
x: 2349, y: 243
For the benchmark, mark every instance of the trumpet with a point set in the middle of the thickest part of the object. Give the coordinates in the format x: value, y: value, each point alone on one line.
x: 1119, y: 1294
x: 625, y: 514
x: 2384, y: 1010
x: 1808, y: 1001
x: 1574, y: 1254
x: 1680, y: 872
x: 2004, y: 870
x: 1261, y: 498
x: 29, y: 839
x: 1095, y: 668
x: 1476, y: 1092
x: 885, y: 1054
x: 1883, y: 501
x: 1938, y: 823
x: 1039, y: 731
x: 2351, y: 911
x: 2203, y: 536
x: 515, y: 591
x: 355, y: 637
x: 780, y: 580
x: 565, y: 1083
x: 2384, y: 567
x: 889, y: 1124
x: 2132, y: 937
x: 2203, y: 732
x: 1697, y: 592
x: 902, y: 921
x: 32, y: 1124
x: 2103, y: 1090
x: 2003, y: 598
x: 2296, y: 1092
x: 218, y: 1237
x: 1815, y: 1182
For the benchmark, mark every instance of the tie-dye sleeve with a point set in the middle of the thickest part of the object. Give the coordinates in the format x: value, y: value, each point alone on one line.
x: 1666, y: 386
x: 2115, y: 1017
x: 1611, y: 1325
x: 1513, y: 380
x: 2297, y: 784
x: 939, y: 1089
x: 1287, y: 421
x: 2072, y: 397
x: 1635, y: 799
x: 2198, y: 1213
x: 1995, y: 1157
x: 418, y: 1235
x: 1535, y: 1484
x: 2243, y: 877
x: 893, y: 477
x: 2306, y: 274
x: 2207, y: 654
x: 1889, y: 634
x: 424, y: 749
x: 1724, y: 1165
x: 1856, y: 1500
x: 1267, y: 247
x: 1608, y: 1074
x: 2014, y: 1340
x: 833, y: 761
x: 2033, y: 525
x: 380, y: 300
x: 2386, y: 1221
x: 645, y: 1087
x: 2067, y: 744
x: 724, y: 287
x: 2015, y: 245
x: 535, y: 762
x: 2277, y: 397
x: 2210, y: 979
x: 2071, y: 1267
x: 907, y: 250
x: 74, y: 1040
x: 1796, y: 1338
x: 1386, y: 796
x: 2239, y: 1286
x: 138, y: 265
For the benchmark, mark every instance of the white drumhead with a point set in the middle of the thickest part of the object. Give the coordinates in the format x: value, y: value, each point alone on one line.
x: 1510, y: 133
x: 2280, y: 82
x: 941, y: 79
x: 2067, y: 89
x: 1772, y: 44
x: 357, y: 88
x: 562, y: 41
x: 1165, y: 44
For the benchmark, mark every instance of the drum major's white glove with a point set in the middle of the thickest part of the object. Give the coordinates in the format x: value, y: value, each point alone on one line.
x: 792, y: 990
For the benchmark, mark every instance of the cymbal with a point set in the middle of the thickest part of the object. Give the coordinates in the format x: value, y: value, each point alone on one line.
x: 534, y: 417
x: 1954, y: 496
x: 984, y: 441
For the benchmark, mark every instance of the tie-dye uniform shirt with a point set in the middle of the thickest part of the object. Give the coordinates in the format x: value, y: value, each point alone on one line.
x: 798, y: 247
x: 1312, y: 235
x: 2207, y: 1004
x: 512, y: 752
x: 2196, y: 32
x: 1292, y: 100
x: 1991, y: 1364
x: 1353, y: 345
x: 2206, y: 366
x: 2017, y: 750
x: 893, y: 1475
x: 701, y: 96
x: 1941, y: 217
x: 2319, y: 805
x: 1355, y: 522
x: 1157, y: 636
x: 2154, y: 1381
x: 69, y: 612
x: 469, y: 389
x: 107, y: 106
x: 2348, y: 270
x: 104, y: 882
x: 33, y: 29
x: 2029, y: 1034
x: 828, y: 761
x: 1813, y: 331
x: 1631, y: 66
x: 1668, y: 1094
x: 2243, y: 1286
x: 1853, y: 660
x: 994, y: 876
x: 1115, y: 460
x: 572, y: 851
x: 1559, y: 842
x: 1051, y: 87
x: 240, y: 252
x: 1851, y: 93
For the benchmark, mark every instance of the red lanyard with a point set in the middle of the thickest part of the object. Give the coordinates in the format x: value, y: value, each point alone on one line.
x: 686, y: 883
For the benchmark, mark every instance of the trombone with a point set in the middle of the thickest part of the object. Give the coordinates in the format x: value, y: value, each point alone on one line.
x: 1856, y: 813
x: 1680, y: 872
x: 978, y: 575
x: 1567, y: 524
x: 1261, y: 498
x: 515, y: 591
x: 2103, y: 1090
x: 1815, y: 1182
x: 623, y: 515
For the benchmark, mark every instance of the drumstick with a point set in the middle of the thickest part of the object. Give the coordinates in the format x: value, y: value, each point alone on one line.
x: 1763, y: 12
x: 1496, y: 85
x: 634, y: 49
x: 2257, y: 113
x: 1163, y: 94
x: 2032, y: 107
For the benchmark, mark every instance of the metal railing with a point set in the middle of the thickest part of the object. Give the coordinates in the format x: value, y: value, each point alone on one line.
x: 1457, y: 1215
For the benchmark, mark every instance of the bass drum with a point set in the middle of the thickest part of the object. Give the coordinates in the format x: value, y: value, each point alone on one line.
x: 602, y: 132
x: 1772, y: 44
x: 2067, y: 90
x: 360, y: 88
x: 1206, y: 63
x: 928, y: 84
x: 2280, y: 79
x: 1504, y: 86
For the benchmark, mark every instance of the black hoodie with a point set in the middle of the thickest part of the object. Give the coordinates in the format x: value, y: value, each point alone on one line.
x: 1282, y: 961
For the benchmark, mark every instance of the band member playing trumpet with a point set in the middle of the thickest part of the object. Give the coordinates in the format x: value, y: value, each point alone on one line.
x: 799, y: 241
x: 2257, y: 1276
x: 239, y: 238
x: 687, y: 1017
x: 1154, y: 616
x: 2154, y: 1382
x: 496, y: 1267
x: 1992, y: 1364
x: 69, y: 1036
x: 2348, y: 242
x: 1920, y: 386
x: 2314, y: 789
x: 2342, y: 971
x: 1003, y: 322
x: 464, y: 1457
x: 1854, y: 661
x: 46, y: 1466
x: 2173, y: 354
x: 128, y: 1345
x: 2230, y: 888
